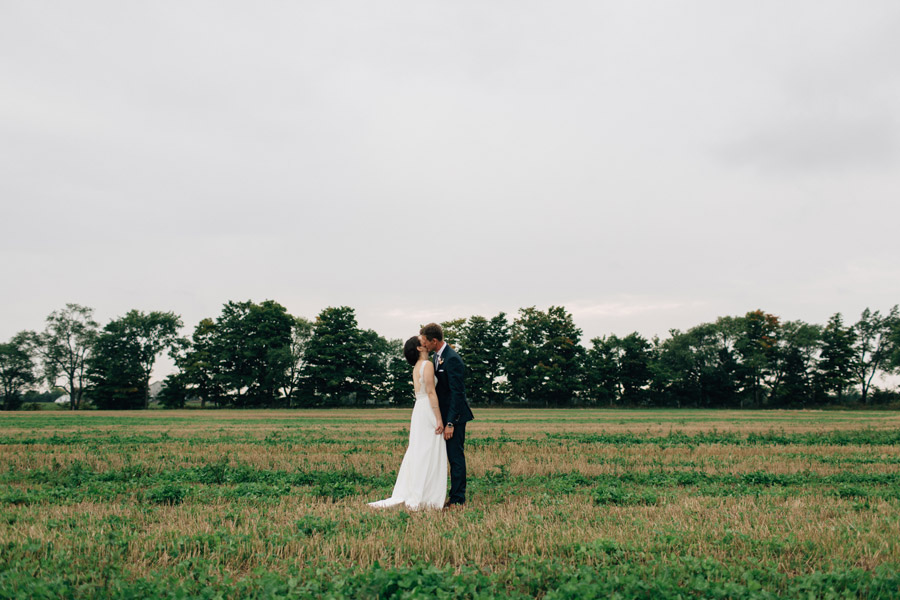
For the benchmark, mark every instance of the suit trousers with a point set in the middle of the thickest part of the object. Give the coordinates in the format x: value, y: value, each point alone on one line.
x: 457, y: 459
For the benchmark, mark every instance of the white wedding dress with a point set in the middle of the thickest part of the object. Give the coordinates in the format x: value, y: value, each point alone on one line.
x: 422, y: 479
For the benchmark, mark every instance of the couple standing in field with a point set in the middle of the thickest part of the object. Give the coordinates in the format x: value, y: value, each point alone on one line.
x: 437, y: 430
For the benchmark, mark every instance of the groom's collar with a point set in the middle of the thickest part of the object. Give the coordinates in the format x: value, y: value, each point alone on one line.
x: 440, y: 350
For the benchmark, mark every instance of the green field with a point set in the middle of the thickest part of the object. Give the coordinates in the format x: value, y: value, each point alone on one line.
x: 563, y: 504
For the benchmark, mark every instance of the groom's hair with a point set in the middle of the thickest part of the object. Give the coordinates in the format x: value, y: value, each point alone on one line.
x: 411, y: 350
x: 433, y: 331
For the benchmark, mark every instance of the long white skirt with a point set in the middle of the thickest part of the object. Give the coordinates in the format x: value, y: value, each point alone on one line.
x: 422, y: 479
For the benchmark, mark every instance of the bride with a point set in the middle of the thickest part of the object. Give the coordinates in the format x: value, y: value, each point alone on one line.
x: 422, y: 479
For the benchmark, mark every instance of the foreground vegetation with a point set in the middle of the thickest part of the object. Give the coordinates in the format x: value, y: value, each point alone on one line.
x: 243, y: 504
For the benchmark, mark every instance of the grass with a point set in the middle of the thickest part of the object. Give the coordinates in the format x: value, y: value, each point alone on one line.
x: 579, y: 503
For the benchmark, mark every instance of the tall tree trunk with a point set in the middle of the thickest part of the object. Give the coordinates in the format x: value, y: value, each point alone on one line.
x: 73, y: 400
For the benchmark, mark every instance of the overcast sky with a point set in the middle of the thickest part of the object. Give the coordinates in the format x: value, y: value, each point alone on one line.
x: 648, y: 165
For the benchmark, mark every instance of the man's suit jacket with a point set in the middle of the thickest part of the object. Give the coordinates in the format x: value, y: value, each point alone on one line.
x: 451, y: 389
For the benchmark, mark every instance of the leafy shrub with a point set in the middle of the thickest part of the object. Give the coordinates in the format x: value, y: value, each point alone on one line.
x: 334, y: 490
x: 567, y: 483
x: 851, y: 491
x: 498, y: 477
x: 624, y: 497
x: 13, y: 496
x: 215, y: 473
x: 167, y: 493
x: 311, y: 524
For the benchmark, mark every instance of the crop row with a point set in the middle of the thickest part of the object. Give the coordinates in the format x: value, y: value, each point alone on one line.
x: 78, y: 482
x: 864, y: 437
x: 612, y: 577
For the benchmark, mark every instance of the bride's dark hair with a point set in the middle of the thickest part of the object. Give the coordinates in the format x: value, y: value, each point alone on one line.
x: 411, y: 350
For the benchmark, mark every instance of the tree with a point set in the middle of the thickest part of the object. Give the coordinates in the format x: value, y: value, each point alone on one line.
x: 835, y: 367
x: 199, y: 364
x: 399, y: 389
x: 795, y: 386
x: 113, y: 374
x: 174, y: 393
x: 792, y: 362
x: 683, y: 366
x: 634, y: 368
x: 244, y: 358
x: 123, y: 357
x: 376, y: 353
x: 601, y: 373
x: 895, y: 342
x: 453, y: 332
x: 64, y: 347
x: 335, y: 358
x: 545, y: 361
x: 252, y: 352
x: 17, y: 369
x: 301, y: 332
x: 723, y: 384
x: 484, y: 345
x: 873, y: 346
x: 755, y: 346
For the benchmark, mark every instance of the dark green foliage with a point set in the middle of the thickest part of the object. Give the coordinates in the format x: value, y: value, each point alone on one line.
x: 37, y: 397
x: 793, y: 363
x: 257, y: 355
x: 873, y: 346
x: 634, y: 369
x: 616, y: 571
x: 167, y: 493
x: 348, y: 366
x: 756, y: 345
x: 687, y: 368
x: 309, y: 525
x: 795, y: 388
x: 835, y: 367
x: 544, y: 360
x: 200, y: 365
x: 301, y: 332
x: 378, y: 354
x: 601, y: 373
x: 483, y: 350
x: 244, y: 358
x: 64, y: 347
x: 894, y: 361
x: 624, y: 497
x: 253, y: 351
x: 398, y: 389
x: 335, y: 358
x: 453, y: 331
x: 123, y: 355
x: 174, y: 393
x: 335, y: 490
x: 17, y: 370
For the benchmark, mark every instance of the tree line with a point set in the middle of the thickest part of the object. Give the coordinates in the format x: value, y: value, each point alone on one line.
x: 259, y: 355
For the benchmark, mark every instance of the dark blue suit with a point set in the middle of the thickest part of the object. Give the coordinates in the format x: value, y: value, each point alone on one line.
x: 451, y: 393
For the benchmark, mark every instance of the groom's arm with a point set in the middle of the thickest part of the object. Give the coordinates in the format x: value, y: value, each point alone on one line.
x: 455, y: 371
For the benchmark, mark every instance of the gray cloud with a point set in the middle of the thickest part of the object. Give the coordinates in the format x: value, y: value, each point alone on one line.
x: 837, y: 104
x: 812, y: 143
x: 417, y: 158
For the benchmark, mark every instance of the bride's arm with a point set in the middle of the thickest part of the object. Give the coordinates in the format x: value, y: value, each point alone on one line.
x: 432, y: 397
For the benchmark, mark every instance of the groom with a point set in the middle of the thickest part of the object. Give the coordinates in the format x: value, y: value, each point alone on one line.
x: 455, y: 411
